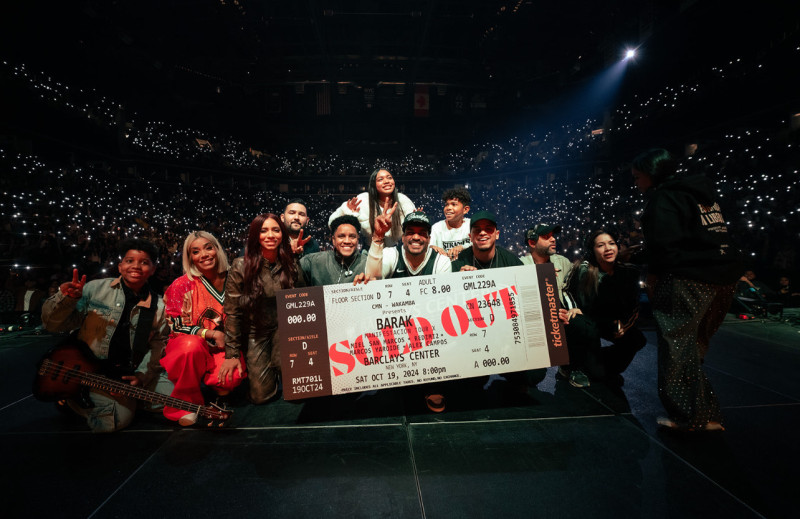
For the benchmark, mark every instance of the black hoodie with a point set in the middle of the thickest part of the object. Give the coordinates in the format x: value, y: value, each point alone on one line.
x: 686, y: 234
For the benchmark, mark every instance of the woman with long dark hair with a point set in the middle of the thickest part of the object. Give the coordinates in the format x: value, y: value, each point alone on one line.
x: 381, y: 195
x: 692, y: 271
x: 268, y: 265
x: 604, y: 298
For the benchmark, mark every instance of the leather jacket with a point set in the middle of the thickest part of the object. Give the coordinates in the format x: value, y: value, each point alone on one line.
x: 253, y: 332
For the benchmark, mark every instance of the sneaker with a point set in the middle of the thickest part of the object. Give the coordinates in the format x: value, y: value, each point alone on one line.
x: 188, y: 419
x: 578, y: 378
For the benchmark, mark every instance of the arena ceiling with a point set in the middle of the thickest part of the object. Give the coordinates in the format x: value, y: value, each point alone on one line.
x: 345, y: 71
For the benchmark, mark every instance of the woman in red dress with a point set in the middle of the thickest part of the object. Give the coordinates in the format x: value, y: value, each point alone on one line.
x: 194, y: 309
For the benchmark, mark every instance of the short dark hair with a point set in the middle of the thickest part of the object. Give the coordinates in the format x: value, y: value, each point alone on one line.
x: 458, y: 193
x: 345, y: 219
x: 295, y: 201
x: 148, y: 247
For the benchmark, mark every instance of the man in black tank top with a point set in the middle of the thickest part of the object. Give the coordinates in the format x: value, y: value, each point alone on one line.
x: 415, y: 258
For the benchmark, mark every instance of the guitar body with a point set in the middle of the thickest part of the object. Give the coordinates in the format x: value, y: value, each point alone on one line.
x: 61, y: 380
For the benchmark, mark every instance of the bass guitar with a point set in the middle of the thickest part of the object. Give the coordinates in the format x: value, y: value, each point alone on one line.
x: 71, y: 367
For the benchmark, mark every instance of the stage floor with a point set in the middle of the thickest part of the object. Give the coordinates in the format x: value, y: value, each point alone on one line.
x: 563, y: 452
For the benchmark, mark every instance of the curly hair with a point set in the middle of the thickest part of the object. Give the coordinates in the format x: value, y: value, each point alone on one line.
x: 457, y: 193
x: 148, y: 247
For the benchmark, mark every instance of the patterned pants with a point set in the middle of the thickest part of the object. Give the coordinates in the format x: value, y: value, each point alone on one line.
x: 688, y: 313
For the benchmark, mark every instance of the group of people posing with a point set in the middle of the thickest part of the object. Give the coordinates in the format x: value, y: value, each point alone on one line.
x: 216, y: 326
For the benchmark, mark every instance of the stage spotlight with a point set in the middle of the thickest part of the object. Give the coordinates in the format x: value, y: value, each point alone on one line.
x: 630, y: 54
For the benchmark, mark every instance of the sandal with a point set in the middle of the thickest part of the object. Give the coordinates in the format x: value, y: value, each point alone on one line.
x: 435, y: 403
x: 678, y: 426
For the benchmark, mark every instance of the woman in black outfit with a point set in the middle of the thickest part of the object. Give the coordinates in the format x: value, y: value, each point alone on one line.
x: 603, y: 302
x: 693, y: 268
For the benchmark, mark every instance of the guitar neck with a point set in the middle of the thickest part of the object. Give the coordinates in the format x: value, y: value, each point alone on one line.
x: 100, y: 382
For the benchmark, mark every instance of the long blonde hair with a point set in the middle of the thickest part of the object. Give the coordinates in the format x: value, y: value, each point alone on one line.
x: 188, y: 266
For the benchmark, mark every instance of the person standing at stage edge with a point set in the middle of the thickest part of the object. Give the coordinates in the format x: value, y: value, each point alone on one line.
x: 693, y: 268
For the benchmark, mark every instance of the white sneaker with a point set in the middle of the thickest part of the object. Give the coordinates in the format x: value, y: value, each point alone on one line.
x: 188, y: 419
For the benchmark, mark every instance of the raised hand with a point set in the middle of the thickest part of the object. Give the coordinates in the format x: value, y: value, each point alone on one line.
x: 388, y: 207
x: 298, y: 243
x: 74, y: 288
x: 383, y: 222
x: 353, y: 204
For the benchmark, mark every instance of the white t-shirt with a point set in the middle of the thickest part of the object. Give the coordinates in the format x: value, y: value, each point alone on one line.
x: 446, y: 238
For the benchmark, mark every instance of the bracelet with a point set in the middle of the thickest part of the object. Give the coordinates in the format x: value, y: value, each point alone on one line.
x: 203, y: 333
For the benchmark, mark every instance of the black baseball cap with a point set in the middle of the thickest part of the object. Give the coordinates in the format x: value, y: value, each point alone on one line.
x: 539, y: 229
x: 417, y: 218
x: 482, y: 215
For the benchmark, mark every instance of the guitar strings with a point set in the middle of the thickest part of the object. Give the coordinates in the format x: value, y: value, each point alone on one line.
x: 101, y: 382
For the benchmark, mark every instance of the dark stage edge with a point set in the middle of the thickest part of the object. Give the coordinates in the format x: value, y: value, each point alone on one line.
x: 560, y: 452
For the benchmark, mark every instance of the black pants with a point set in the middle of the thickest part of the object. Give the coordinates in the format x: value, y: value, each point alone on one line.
x: 586, y: 353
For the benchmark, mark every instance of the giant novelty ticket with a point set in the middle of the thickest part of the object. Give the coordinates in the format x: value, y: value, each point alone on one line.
x: 341, y: 338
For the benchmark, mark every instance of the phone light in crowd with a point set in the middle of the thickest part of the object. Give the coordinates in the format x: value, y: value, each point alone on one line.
x: 630, y: 54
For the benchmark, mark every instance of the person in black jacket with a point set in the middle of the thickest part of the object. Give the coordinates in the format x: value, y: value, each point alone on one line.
x: 693, y: 268
x: 602, y: 296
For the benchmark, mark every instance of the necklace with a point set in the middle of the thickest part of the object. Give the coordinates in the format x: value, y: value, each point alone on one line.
x: 346, y: 271
x: 478, y: 264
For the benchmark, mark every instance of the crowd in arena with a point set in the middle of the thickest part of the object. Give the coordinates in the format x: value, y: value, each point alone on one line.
x: 59, y: 214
